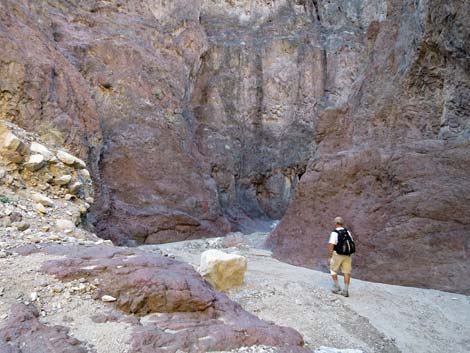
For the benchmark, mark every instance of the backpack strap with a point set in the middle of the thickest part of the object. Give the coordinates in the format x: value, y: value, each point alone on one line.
x: 338, y: 232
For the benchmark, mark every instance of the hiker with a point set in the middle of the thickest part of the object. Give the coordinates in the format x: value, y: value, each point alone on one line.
x: 340, y: 248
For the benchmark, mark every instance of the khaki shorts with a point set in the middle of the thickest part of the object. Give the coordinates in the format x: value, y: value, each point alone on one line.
x: 343, y: 262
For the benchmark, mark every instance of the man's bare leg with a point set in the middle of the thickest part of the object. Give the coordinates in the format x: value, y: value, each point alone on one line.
x: 347, y: 280
x: 336, y: 287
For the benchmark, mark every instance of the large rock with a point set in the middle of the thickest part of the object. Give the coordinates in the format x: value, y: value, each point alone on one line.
x: 222, y: 270
x: 24, y: 333
x: 169, y: 286
x: 191, y: 315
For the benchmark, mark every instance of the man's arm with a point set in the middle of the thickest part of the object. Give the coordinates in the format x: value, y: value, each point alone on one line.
x: 330, y: 252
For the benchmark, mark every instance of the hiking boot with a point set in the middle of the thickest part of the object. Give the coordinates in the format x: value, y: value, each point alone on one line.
x: 335, y: 290
x: 345, y: 293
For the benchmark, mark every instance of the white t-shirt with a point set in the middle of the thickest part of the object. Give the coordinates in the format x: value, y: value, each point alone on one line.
x: 334, y: 236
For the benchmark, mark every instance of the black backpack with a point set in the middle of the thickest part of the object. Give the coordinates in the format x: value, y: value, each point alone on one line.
x: 345, y: 245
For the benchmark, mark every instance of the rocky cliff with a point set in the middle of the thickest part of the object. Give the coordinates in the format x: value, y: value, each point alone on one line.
x: 196, y: 119
x: 191, y: 118
x: 393, y: 160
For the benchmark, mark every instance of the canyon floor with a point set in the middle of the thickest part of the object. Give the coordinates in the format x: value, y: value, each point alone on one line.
x: 375, y: 318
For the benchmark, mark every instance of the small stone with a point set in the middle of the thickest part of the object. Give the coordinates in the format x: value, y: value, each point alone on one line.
x: 11, y: 142
x: 40, y: 208
x: 34, y: 296
x: 54, y: 237
x: 84, y: 173
x: 5, y: 222
x: 108, y: 298
x: 16, y: 217
x: 35, y: 162
x: 44, y: 200
x: 3, y: 254
x: 75, y: 187
x: 63, y: 180
x: 89, y: 200
x: 21, y: 226
x: 4, y: 316
x: 83, y: 209
x: 65, y: 225
x: 69, y: 197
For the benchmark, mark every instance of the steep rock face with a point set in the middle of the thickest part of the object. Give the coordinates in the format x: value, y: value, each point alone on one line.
x: 133, y: 65
x: 393, y: 161
x: 271, y: 68
x: 254, y: 104
x: 190, y: 117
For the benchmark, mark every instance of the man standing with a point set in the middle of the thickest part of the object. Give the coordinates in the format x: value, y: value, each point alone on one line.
x: 341, y: 246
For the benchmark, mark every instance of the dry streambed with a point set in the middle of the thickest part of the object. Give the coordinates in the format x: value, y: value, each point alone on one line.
x: 376, y: 318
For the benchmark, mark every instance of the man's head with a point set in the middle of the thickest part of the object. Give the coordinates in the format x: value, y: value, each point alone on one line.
x: 339, y: 221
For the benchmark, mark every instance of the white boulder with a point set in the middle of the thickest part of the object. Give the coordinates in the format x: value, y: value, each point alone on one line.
x: 68, y: 159
x: 43, y: 200
x: 35, y: 162
x: 63, y: 180
x: 222, y: 270
x: 42, y: 150
x: 108, y: 298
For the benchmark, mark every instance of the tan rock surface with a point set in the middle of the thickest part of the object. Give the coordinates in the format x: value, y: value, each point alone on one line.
x: 223, y: 271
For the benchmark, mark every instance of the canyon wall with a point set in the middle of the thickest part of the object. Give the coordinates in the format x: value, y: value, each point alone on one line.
x: 130, y: 68
x: 200, y: 117
x: 393, y: 160
x: 194, y: 119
